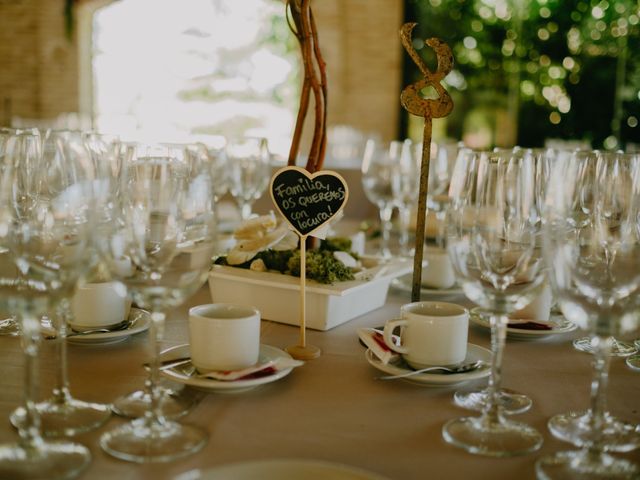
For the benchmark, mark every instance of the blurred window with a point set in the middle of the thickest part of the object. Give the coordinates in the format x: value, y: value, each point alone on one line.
x: 166, y: 71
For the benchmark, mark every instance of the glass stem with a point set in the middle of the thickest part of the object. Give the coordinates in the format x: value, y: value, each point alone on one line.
x: 154, y: 415
x: 61, y: 314
x: 386, y: 212
x: 601, y: 359
x: 498, y: 336
x: 404, y: 216
x: 29, y: 431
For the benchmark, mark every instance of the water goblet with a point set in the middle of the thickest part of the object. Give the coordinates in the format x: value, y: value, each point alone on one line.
x: 172, y: 403
x: 377, y: 182
x: 249, y: 171
x: 216, y: 151
x: 591, y: 238
x: 576, y: 427
x: 405, y: 185
x: 46, y: 224
x: 62, y: 414
x: 461, y: 187
x: 9, y: 324
x: 215, y: 147
x: 492, y: 242
x: 167, y: 238
x: 619, y: 348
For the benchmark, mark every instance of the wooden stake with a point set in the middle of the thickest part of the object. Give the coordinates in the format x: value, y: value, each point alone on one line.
x: 415, y: 104
x: 302, y: 351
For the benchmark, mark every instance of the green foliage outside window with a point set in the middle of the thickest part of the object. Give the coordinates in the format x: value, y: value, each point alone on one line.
x: 530, y: 70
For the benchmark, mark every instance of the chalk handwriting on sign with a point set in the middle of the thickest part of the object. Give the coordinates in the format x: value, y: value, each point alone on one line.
x: 308, y: 201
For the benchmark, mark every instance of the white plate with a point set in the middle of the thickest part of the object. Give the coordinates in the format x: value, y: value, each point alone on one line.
x: 184, y: 373
x: 141, y: 320
x: 559, y: 324
x: 281, y: 469
x: 405, y: 284
x: 474, y: 353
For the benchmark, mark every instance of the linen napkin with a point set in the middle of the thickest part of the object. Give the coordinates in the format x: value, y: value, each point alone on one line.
x: 255, y: 371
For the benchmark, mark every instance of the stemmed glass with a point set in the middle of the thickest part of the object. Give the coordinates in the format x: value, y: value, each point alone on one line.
x: 586, y: 158
x: 167, y: 236
x: 216, y: 150
x: 492, y: 243
x: 441, y: 167
x: 619, y: 348
x: 460, y: 188
x: 592, y: 239
x: 172, y: 403
x: 405, y: 185
x: 62, y: 414
x: 46, y: 223
x: 218, y: 162
x: 249, y: 171
x: 377, y: 182
x: 9, y: 324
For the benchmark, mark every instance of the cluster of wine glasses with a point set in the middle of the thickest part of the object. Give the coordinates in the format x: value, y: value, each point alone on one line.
x: 72, y: 203
x: 241, y: 166
x: 391, y: 180
x: 520, y: 218
x: 592, y: 239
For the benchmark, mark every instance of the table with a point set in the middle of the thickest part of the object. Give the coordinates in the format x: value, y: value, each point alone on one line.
x: 333, y: 408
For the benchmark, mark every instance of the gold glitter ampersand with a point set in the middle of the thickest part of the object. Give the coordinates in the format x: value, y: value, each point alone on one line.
x: 429, y: 109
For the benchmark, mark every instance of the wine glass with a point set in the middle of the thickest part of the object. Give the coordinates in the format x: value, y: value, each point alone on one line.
x: 61, y: 414
x: 440, y: 169
x: 492, y: 242
x: 9, y: 324
x: 249, y: 171
x: 172, y: 403
x: 377, y: 183
x: 46, y: 224
x: 216, y: 151
x: 592, y: 240
x: 216, y: 146
x: 460, y: 188
x: 620, y: 348
x: 162, y: 253
x: 405, y: 185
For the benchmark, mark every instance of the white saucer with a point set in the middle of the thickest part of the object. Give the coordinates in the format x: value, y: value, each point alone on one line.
x: 141, y: 319
x: 281, y: 469
x: 474, y: 353
x: 405, y: 284
x: 184, y: 373
x: 558, y: 323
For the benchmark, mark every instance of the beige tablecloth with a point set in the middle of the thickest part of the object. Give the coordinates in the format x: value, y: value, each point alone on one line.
x: 332, y: 408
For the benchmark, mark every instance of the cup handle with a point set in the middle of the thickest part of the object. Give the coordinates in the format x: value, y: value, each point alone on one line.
x: 389, y: 327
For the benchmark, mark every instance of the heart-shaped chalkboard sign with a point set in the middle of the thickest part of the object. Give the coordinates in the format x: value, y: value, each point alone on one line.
x: 308, y: 200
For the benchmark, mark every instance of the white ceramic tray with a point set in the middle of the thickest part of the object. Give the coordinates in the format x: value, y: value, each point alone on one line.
x: 277, y: 296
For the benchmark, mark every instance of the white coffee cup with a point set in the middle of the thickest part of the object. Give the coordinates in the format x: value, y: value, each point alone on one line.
x: 539, y: 308
x: 438, y: 272
x: 433, y: 333
x: 98, y: 305
x: 224, y: 336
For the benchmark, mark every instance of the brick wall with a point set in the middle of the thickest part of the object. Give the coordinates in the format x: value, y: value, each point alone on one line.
x: 359, y: 38
x: 38, y: 65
